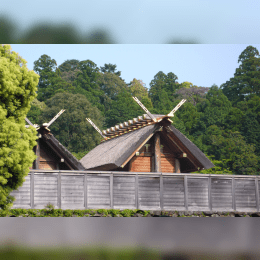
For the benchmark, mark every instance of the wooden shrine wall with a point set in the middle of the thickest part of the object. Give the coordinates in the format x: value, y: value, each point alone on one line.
x: 147, y: 191
x: 143, y: 162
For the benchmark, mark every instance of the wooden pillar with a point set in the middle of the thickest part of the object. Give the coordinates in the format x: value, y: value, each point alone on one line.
x: 177, y: 166
x: 157, y: 153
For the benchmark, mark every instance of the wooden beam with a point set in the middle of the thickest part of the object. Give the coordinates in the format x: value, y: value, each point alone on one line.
x: 157, y: 153
x: 177, y: 166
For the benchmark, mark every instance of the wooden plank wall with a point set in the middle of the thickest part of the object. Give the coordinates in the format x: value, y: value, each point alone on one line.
x: 131, y: 190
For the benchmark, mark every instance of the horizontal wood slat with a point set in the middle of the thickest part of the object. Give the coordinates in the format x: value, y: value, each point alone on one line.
x: 121, y: 190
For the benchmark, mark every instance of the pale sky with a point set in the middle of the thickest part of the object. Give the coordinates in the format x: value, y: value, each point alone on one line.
x: 147, y: 21
x: 201, y: 64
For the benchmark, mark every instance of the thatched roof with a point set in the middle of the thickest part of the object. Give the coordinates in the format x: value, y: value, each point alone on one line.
x: 114, y: 153
x: 62, y: 151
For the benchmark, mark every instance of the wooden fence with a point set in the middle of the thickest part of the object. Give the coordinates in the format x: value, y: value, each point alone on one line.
x: 130, y: 190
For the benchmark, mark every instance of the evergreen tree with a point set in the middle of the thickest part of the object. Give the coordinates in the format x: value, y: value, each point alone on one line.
x: 110, y: 68
x: 231, y: 148
x: 215, y: 108
x: 17, y: 90
x: 45, y: 67
x: 86, y: 83
x: 246, y: 80
x: 161, y: 82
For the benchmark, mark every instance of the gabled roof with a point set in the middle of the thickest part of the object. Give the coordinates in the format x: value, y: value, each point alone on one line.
x: 60, y: 150
x: 113, y: 153
x: 124, y: 142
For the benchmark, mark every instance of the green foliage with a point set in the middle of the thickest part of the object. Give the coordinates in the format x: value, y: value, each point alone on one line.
x: 72, y: 129
x: 111, y: 85
x: 137, y: 89
x: 45, y: 67
x: 246, y: 80
x: 10, y: 252
x: 110, y: 68
x: 86, y: 83
x: 191, y: 93
x: 240, y: 156
x: 17, y: 90
x: 220, y: 167
x: 36, y: 110
x: 215, y: 108
x: 122, y: 109
x: 162, y: 82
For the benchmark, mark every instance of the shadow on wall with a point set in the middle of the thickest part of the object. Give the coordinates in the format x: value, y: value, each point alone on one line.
x: 59, y: 33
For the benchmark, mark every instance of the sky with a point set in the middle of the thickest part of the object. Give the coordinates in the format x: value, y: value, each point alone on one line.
x: 147, y: 21
x: 201, y: 64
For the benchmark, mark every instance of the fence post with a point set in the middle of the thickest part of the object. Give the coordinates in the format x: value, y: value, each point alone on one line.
x: 209, y: 192
x: 257, y: 194
x: 85, y: 191
x: 136, y: 191
x: 59, y: 189
x: 233, y: 194
x: 32, y: 189
x: 161, y: 191
x: 111, y: 191
x: 186, y: 192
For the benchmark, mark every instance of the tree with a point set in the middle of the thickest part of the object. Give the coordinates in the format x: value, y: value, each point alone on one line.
x: 45, y: 67
x: 193, y: 94
x: 249, y: 121
x: 161, y: 82
x: 36, y: 110
x: 69, y: 65
x: 69, y: 70
x: 17, y: 90
x: 86, y: 83
x: 110, y: 68
x: 246, y: 80
x: 231, y: 148
x: 110, y: 84
x: 72, y: 130
x: 215, y: 108
x: 137, y: 89
x: 122, y: 109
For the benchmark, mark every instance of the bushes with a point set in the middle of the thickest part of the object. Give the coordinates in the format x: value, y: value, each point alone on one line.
x: 49, y: 211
